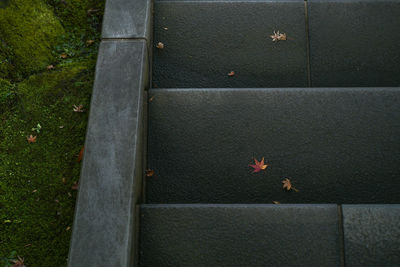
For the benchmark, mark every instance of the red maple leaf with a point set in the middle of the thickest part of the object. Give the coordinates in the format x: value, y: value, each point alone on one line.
x: 259, y: 165
x: 80, y: 156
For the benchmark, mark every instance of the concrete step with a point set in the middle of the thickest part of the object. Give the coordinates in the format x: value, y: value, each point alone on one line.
x: 269, y: 235
x: 205, y: 40
x: 354, y: 43
x: 336, y: 145
x: 240, y: 235
x: 330, y: 43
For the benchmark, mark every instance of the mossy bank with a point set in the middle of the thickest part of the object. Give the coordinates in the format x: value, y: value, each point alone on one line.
x: 38, y: 91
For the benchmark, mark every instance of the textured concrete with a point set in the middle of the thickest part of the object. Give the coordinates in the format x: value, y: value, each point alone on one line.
x: 239, y: 235
x: 110, y: 183
x: 205, y: 40
x: 354, y: 43
x: 372, y: 235
x: 336, y: 145
x: 127, y: 19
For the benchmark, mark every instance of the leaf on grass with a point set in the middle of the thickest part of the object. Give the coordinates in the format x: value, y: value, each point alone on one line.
x: 92, y: 10
x: 231, y: 73
x: 75, y: 186
x: 288, y: 185
x: 19, y: 262
x: 31, y: 139
x: 50, y: 67
x: 68, y: 228
x: 78, y: 108
x: 149, y: 172
x: 89, y: 42
x: 259, y: 165
x: 160, y: 45
x: 63, y: 55
x: 80, y: 156
x: 276, y: 202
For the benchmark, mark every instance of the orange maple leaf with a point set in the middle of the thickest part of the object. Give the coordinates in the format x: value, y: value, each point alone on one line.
x: 80, y: 156
x: 259, y: 165
x: 288, y: 185
x: 31, y: 139
x: 149, y: 172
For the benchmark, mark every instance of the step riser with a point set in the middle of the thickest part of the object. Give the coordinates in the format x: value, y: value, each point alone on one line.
x: 335, y: 145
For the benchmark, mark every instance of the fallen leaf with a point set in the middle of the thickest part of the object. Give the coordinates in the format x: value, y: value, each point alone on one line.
x: 31, y: 139
x: 259, y: 165
x: 50, y: 67
x: 19, y: 262
x: 80, y: 156
x: 68, y: 228
x: 89, y: 42
x: 64, y: 180
x: 276, y: 202
x: 34, y: 191
x: 149, y: 172
x: 165, y: 28
x: 75, y: 186
x: 160, y: 45
x: 151, y: 98
x: 232, y: 73
x: 69, y: 194
x: 288, y: 185
x: 78, y: 108
x: 63, y: 55
x: 61, y: 126
x: 278, y: 36
x: 92, y: 10
x: 56, y: 200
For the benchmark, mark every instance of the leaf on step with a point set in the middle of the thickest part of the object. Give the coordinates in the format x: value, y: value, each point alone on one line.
x: 276, y: 202
x: 288, y: 185
x: 149, y: 172
x: 232, y: 73
x: 80, y: 156
x: 160, y: 45
x: 278, y: 36
x: 259, y: 165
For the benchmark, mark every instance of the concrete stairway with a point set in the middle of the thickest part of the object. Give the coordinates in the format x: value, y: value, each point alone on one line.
x: 322, y: 108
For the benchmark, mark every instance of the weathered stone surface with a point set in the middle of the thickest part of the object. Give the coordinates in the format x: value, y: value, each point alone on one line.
x: 354, y: 43
x: 372, y: 235
x: 239, y: 235
x: 127, y: 19
x: 110, y: 184
x: 336, y: 145
x: 205, y: 40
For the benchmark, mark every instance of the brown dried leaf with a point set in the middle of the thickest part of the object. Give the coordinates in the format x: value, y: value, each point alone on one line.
x: 160, y: 45
x: 288, y: 185
x: 278, y: 36
x: 75, y: 186
x: 63, y: 55
x: 276, y: 202
x: 31, y: 139
x: 50, y: 67
x: 78, y: 108
x: 89, y: 42
x: 232, y: 73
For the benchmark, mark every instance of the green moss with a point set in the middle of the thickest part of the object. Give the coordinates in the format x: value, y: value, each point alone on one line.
x: 36, y: 206
x: 28, y: 32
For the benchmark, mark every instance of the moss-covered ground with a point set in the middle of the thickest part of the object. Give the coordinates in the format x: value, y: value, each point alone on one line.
x: 38, y: 89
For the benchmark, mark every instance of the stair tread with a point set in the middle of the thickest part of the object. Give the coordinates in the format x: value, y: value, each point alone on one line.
x: 205, y: 40
x: 336, y: 145
x: 239, y: 235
